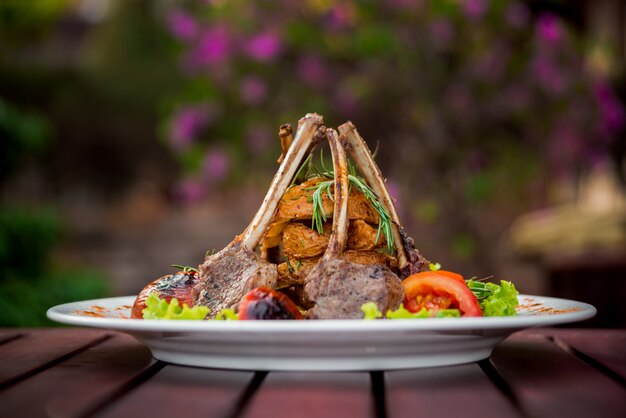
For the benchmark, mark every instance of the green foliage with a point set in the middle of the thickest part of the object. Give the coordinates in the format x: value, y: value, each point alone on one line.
x: 25, y: 299
x: 26, y: 239
x: 32, y: 17
x: 22, y: 134
x: 29, y: 282
x: 463, y: 246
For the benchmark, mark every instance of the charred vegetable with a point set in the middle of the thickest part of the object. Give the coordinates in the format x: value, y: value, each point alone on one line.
x: 265, y: 303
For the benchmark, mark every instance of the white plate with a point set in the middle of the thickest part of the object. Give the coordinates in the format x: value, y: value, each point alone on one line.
x: 324, y: 344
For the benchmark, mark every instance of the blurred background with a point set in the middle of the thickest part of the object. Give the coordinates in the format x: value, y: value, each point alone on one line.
x: 135, y: 134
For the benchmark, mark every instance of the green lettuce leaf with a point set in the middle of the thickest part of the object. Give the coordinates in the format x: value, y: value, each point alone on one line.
x: 495, y: 300
x: 226, y: 314
x: 447, y: 313
x: 371, y: 312
x: 159, y: 309
x: 403, y: 313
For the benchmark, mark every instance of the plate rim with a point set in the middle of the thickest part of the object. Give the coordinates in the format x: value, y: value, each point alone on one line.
x: 59, y: 314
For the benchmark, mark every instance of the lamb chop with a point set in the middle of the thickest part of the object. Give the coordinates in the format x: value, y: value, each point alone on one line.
x: 409, y: 258
x: 337, y: 286
x: 231, y: 273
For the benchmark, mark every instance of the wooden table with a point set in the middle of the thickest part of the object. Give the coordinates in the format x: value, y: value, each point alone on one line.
x: 93, y: 373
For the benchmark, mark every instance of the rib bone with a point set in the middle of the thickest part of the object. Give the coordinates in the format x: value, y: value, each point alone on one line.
x: 231, y: 273
x: 336, y: 286
x: 286, y: 138
x: 409, y: 258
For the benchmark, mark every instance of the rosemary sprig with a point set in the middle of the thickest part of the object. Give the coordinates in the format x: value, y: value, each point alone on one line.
x: 319, y: 215
x: 384, y: 222
x: 480, y: 289
x: 184, y: 268
x: 289, y: 266
x: 303, y: 171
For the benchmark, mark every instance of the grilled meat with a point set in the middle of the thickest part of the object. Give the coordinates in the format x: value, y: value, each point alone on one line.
x: 336, y: 286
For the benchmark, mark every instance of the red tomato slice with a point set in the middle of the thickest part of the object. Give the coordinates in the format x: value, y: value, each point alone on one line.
x: 439, y: 291
x: 440, y: 273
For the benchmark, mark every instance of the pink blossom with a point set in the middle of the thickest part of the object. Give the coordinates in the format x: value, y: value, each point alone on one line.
x: 185, y: 125
x: 490, y: 65
x: 549, y: 77
x: 517, y: 15
x: 263, y: 47
x: 417, y: 5
x: 189, y: 190
x: 516, y: 97
x: 311, y: 70
x: 346, y: 100
x: 611, y: 109
x: 475, y: 9
x: 216, y: 165
x: 549, y: 29
x: 258, y: 137
x: 458, y: 98
x: 441, y: 33
x: 214, y: 47
x: 340, y: 16
x: 565, y: 147
x: 253, y: 90
x: 182, y: 25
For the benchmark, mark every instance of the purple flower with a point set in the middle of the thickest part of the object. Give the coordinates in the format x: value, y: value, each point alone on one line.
x: 185, y: 125
x: 565, y: 146
x: 311, y: 70
x: 340, y: 16
x: 475, y: 9
x: 346, y: 101
x: 441, y: 33
x: 459, y: 99
x: 263, y: 47
x: 490, y: 65
x: 517, y: 15
x: 611, y: 109
x: 189, y: 190
x: 182, y: 25
x: 213, y: 47
x: 407, y: 4
x: 549, y: 29
x: 516, y: 97
x: 549, y: 77
x: 258, y: 137
x: 216, y: 165
x: 253, y: 90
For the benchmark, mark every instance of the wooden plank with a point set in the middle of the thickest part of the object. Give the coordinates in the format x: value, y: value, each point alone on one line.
x: 453, y: 391
x: 178, y: 391
x: 74, y: 386
x: 549, y: 382
x: 311, y: 394
x: 39, y: 349
x: 7, y: 337
x: 607, y: 347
